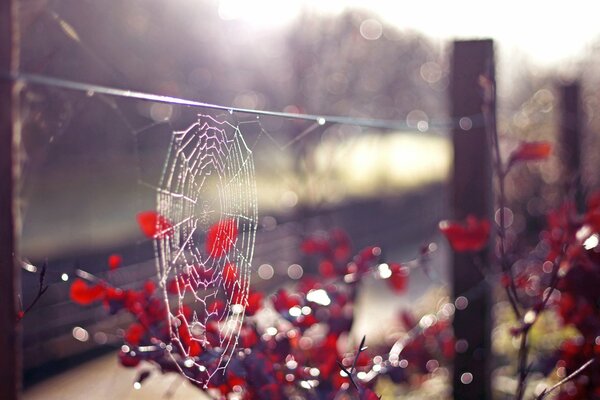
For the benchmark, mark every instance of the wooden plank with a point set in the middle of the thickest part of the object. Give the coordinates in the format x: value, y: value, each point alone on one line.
x: 10, y: 363
x: 570, y: 141
x: 471, y: 195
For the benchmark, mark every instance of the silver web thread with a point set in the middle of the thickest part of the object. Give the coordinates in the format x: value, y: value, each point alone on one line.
x: 209, y: 154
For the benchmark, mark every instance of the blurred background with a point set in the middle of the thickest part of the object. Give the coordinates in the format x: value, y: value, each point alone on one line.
x: 91, y: 162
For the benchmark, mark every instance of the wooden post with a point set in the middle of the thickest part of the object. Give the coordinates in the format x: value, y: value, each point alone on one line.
x: 471, y: 195
x: 571, y: 142
x: 10, y: 345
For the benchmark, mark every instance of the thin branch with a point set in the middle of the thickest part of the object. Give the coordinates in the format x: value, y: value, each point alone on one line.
x: 526, y: 327
x: 361, y: 348
x: 42, y: 288
x: 554, y: 279
x: 501, y: 172
x: 522, y: 368
x: 350, y: 373
x: 571, y: 376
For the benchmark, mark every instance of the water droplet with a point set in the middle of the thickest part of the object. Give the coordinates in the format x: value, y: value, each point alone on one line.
x: 237, y: 309
x: 384, y: 271
x: 432, y: 365
x: 161, y: 112
x: 197, y: 329
x: 100, y: 338
x: 461, y: 346
x: 189, y: 363
x: 295, y: 311
x: 266, y: 272
x: 80, y: 334
x: 529, y: 317
x: 466, y: 378
x: 461, y: 302
x: 371, y: 29
x: 295, y: 271
x: 465, y: 123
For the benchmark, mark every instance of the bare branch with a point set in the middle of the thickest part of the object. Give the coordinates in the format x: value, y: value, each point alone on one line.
x: 349, y: 375
x: 350, y: 372
x: 41, y: 290
x: 571, y: 376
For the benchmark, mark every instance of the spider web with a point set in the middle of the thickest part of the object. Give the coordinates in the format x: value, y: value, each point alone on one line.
x: 207, y: 190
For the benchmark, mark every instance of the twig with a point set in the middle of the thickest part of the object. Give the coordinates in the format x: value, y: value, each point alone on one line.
x: 554, y: 279
x: 361, y: 348
x: 527, y: 325
x: 350, y: 372
x: 501, y: 172
x: 41, y: 290
x: 522, y: 369
x: 574, y: 374
x: 511, y: 289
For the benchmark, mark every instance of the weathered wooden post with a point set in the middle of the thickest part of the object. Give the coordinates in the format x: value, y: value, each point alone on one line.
x: 570, y: 141
x: 471, y: 195
x: 10, y: 362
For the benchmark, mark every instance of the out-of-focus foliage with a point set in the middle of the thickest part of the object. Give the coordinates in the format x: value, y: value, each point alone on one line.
x: 296, y: 343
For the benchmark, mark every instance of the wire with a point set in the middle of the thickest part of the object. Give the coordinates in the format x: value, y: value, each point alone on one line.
x: 34, y: 79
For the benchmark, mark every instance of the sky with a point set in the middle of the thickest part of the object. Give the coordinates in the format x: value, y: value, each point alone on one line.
x: 547, y: 32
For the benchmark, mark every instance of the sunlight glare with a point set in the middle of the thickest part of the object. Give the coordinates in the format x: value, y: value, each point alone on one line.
x: 510, y: 23
x: 259, y: 12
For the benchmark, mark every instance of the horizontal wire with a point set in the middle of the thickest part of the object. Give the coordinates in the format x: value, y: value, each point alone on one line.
x: 35, y: 79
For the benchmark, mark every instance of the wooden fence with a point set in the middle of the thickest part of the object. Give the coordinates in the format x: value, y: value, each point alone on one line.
x: 10, y: 362
x: 471, y: 195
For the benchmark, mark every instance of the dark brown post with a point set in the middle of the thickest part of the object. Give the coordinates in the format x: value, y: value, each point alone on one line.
x: 10, y: 363
x: 471, y: 195
x: 571, y: 142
